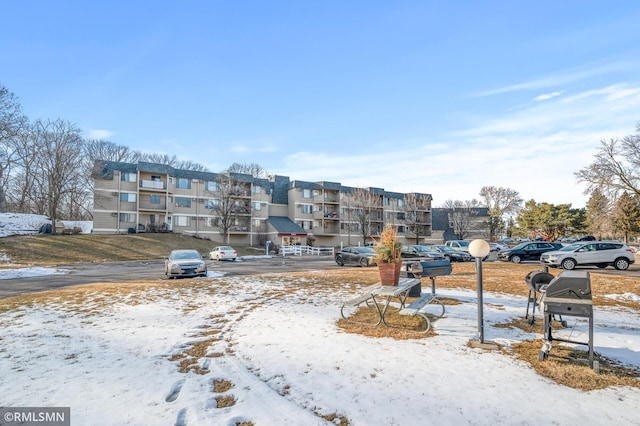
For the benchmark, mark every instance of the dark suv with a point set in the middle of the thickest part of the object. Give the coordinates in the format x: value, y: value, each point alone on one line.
x: 531, y: 250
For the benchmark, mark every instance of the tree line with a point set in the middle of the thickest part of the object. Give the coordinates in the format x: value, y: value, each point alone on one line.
x: 612, y: 210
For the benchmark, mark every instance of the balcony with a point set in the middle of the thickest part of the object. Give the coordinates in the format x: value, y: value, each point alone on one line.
x: 148, y: 205
x: 153, y: 184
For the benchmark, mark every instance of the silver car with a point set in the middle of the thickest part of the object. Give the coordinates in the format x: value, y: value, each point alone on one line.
x: 185, y: 263
x: 591, y: 253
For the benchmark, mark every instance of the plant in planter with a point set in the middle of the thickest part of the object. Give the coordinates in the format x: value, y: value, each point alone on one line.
x: 388, y: 258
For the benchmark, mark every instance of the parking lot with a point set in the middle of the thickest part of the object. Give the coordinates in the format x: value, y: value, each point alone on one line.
x: 87, y: 273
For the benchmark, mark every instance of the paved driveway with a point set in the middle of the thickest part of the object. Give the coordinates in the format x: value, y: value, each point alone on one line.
x: 87, y: 273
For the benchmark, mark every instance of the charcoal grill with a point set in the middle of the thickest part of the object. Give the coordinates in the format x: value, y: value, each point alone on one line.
x: 425, y: 269
x: 535, y: 280
x: 568, y: 294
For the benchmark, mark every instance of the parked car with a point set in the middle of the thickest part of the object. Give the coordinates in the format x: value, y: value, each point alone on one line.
x: 453, y: 255
x: 462, y: 245
x: 507, y: 241
x: 362, y: 256
x: 567, y: 240
x: 587, y: 238
x: 422, y: 251
x: 595, y: 253
x: 498, y: 247
x: 185, y: 263
x: 531, y: 250
x: 223, y: 253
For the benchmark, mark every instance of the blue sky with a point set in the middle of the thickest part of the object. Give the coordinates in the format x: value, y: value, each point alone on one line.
x: 436, y: 97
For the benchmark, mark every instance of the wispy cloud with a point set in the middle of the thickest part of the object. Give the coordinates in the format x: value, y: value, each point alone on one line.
x: 99, y: 134
x: 548, y: 96
x: 535, y: 150
x: 562, y: 78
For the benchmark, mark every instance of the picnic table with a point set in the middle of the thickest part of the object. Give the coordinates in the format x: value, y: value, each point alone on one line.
x: 378, y: 297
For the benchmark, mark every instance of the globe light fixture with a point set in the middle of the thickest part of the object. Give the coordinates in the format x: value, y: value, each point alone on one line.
x: 479, y: 249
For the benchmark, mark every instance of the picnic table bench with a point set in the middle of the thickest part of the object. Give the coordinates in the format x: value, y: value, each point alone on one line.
x: 369, y: 294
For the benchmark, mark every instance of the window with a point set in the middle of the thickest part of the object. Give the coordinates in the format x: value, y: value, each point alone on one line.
x: 211, y: 203
x: 155, y: 178
x: 183, y: 220
x: 128, y: 197
x: 211, y: 186
x: 183, y: 183
x: 306, y: 193
x: 306, y: 208
x: 400, y: 216
x: 128, y: 177
x: 155, y: 199
x: 257, y: 223
x: 128, y: 217
x: 257, y: 189
x: 400, y: 203
x: 257, y: 206
x: 183, y: 202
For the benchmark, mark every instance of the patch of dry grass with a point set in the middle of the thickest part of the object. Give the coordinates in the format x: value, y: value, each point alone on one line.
x: 222, y: 386
x: 64, y: 249
x: 402, y: 327
x: 226, y: 401
x: 577, y: 375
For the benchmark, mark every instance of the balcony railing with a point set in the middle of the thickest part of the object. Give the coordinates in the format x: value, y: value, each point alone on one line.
x: 147, y: 205
x: 152, y: 184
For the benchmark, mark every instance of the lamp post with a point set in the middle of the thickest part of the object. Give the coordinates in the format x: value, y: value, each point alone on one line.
x: 479, y: 249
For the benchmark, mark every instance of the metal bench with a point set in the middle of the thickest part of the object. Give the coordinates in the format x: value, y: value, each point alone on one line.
x: 368, y: 296
x: 414, y: 308
x: 365, y: 297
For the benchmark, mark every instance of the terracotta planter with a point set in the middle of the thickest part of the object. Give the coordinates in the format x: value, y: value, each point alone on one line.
x: 389, y: 273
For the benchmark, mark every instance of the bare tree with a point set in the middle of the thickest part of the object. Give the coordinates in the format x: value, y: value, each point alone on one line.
x: 253, y: 169
x: 21, y: 194
x: 461, y: 216
x: 416, y: 209
x: 229, y: 203
x: 99, y: 149
x: 12, y: 123
x: 361, y: 207
x: 499, y: 202
x: 169, y: 160
x: 615, y: 168
x: 60, y: 153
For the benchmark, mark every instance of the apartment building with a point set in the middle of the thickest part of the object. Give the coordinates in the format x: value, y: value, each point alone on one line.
x: 242, y: 209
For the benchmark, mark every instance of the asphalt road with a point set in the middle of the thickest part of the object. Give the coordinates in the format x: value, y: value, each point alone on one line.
x: 87, y: 273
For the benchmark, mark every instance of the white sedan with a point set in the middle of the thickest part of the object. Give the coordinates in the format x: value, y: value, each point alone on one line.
x: 223, y: 253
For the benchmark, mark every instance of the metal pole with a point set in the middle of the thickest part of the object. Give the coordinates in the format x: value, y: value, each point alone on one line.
x: 480, y: 303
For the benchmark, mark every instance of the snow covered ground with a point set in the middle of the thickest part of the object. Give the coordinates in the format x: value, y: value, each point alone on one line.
x: 148, y: 355
x: 114, y: 356
x: 26, y: 224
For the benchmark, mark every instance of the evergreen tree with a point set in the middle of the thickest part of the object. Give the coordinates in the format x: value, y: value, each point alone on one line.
x: 626, y: 215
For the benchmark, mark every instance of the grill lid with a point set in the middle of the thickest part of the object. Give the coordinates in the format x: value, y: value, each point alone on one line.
x: 570, y: 285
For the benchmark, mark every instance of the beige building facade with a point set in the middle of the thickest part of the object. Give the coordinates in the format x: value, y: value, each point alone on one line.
x: 149, y: 197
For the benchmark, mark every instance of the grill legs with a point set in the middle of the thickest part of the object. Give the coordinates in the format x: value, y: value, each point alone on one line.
x: 548, y: 342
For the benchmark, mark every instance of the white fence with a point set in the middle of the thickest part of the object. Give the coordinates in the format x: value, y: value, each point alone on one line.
x: 300, y: 250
